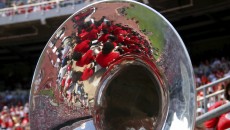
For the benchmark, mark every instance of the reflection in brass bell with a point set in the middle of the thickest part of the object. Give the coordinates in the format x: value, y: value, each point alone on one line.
x: 114, y: 65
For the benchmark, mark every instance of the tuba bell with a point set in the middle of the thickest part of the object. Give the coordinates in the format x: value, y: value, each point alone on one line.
x: 114, y: 65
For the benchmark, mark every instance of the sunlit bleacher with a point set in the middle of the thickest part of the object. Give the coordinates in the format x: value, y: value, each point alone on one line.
x: 40, y: 11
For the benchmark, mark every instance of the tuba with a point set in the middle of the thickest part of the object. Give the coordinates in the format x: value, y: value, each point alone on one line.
x: 114, y: 65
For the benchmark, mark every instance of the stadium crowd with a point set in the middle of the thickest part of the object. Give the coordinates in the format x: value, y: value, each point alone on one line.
x: 207, y: 72
x: 13, y: 3
x: 28, y: 6
x: 14, y: 110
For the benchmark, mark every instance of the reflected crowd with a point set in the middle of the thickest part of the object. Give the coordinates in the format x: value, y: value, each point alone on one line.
x: 92, y: 48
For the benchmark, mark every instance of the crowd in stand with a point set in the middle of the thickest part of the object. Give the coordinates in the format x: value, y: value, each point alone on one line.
x: 17, y: 6
x: 14, y: 110
x: 209, y: 71
x: 13, y: 3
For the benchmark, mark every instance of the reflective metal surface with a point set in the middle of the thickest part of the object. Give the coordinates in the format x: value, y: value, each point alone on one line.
x: 113, y: 65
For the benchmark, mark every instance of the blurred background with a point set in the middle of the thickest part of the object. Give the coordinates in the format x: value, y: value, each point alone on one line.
x: 27, y: 25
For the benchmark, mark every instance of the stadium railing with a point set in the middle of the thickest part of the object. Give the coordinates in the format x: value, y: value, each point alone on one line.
x: 205, y: 87
x: 212, y: 114
x: 218, y: 111
x: 41, y: 11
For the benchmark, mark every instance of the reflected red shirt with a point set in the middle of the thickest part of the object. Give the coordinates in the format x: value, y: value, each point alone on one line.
x: 69, y: 67
x: 105, y: 59
x: 92, y: 35
x: 87, y: 73
x: 119, y: 31
x: 120, y: 38
x: 82, y: 47
x: 87, y: 58
x: 83, y: 35
x: 103, y: 38
x: 63, y: 81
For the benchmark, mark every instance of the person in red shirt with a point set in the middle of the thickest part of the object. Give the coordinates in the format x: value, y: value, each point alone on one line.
x: 223, y: 121
x: 104, y: 37
x: 119, y: 30
x: 93, y: 33
x: 107, y: 55
x: 68, y: 82
x: 85, y: 59
x: 120, y: 38
x: 112, y: 38
x: 83, y: 46
x: 83, y: 35
x: 87, y: 73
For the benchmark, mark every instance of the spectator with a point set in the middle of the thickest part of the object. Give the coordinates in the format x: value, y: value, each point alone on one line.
x: 223, y: 121
x: 15, y: 118
x: 107, y: 55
